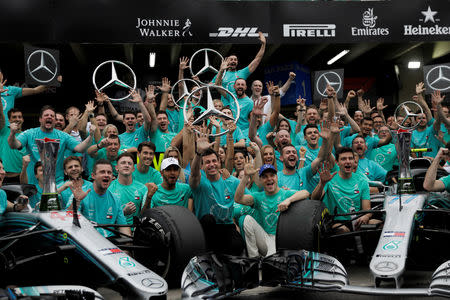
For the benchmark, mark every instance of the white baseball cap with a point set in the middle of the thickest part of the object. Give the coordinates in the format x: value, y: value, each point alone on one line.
x: 169, y: 162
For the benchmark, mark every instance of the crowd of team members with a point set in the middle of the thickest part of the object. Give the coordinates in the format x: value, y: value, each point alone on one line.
x: 236, y: 184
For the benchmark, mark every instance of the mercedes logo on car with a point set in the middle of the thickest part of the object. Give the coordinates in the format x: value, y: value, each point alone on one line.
x: 438, y: 78
x: 386, y: 266
x: 42, y: 66
x: 152, y: 282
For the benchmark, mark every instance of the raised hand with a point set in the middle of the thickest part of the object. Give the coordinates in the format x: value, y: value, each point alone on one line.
x: 249, y: 168
x: 184, y: 63
x: 292, y: 75
x: 330, y: 91
x: 165, y: 86
x: 2, y: 84
x: 105, y: 142
x: 150, y: 93
x: 78, y: 192
x: 202, y: 141
x: 366, y: 107
x: 351, y: 94
x: 14, y: 127
x: 136, y: 97
x: 151, y: 188
x: 324, y: 172
x: 258, y: 107
x: 225, y: 63
x: 100, y: 97
x: 420, y: 88
x: 301, y: 101
x: 90, y: 107
x: 214, y: 121
x: 380, y: 104
x: 231, y: 126
x: 73, y: 120
x: 26, y: 160
x: 437, y: 98
x: 92, y: 129
x: 302, y: 152
x: 262, y: 38
x: 254, y: 146
x: 341, y: 109
x: 360, y: 93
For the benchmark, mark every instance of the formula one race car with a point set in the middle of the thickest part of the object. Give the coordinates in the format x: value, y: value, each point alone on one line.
x: 311, y: 256
x: 64, y: 248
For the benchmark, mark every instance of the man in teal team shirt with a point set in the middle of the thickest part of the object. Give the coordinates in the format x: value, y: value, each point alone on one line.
x: 244, y: 102
x: 368, y: 167
x: 443, y: 184
x: 162, y: 137
x: 132, y: 194
x: 73, y: 170
x: 27, y: 140
x: 231, y: 70
x: 12, y: 158
x: 214, y: 199
x: 171, y: 192
x: 344, y: 191
x: 132, y: 137
x: 144, y: 172
x: 385, y: 155
x: 260, y: 233
x: 99, y: 204
x: 5, y: 205
x: 10, y: 93
x: 109, y: 148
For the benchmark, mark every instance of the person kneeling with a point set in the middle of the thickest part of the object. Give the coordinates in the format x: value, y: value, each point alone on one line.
x: 260, y: 233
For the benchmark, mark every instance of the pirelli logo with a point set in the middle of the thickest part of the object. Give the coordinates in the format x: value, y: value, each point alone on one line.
x: 309, y: 30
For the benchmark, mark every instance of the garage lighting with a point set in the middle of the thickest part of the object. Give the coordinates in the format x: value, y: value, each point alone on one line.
x: 413, y: 64
x: 334, y: 59
x: 152, y: 59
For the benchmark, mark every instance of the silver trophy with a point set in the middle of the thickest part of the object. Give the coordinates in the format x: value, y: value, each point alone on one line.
x: 48, y: 150
x: 405, y: 118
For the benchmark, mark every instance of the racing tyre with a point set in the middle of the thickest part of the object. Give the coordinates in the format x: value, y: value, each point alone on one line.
x: 174, y: 236
x: 299, y: 226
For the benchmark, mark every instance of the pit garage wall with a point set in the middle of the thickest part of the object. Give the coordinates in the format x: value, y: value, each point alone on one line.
x: 208, y: 21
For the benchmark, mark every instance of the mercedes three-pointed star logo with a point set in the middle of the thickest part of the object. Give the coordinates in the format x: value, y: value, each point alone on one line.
x: 404, y: 110
x: 438, y: 78
x: 184, y: 87
x: 207, y: 66
x: 42, y: 66
x: 114, y: 80
x: 328, y: 78
x: 210, y: 110
x: 386, y: 266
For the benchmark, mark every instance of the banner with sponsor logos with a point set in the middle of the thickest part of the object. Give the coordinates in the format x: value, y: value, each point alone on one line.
x: 209, y: 21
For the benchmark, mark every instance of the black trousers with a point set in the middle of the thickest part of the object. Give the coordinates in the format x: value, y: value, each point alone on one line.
x: 222, y: 238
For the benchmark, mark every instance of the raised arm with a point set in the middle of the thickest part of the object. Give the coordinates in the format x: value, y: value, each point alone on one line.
x: 255, y: 63
x: 430, y: 183
x: 88, y: 112
x: 12, y: 141
x: 353, y: 125
x: 182, y: 66
x: 202, y: 144
x: 288, y: 83
x: 274, y: 92
x: 325, y: 176
x: 231, y: 126
x: 84, y: 145
x: 113, y: 111
x: 300, y: 114
x: 350, y: 95
x: 258, y: 110
x: 420, y: 88
x: 33, y: 91
x: 380, y: 108
x: 150, y: 108
x: 223, y: 68
x: 439, y: 99
x: 2, y: 114
x: 165, y: 90
x: 100, y: 97
x: 23, y: 173
x: 138, y: 99
x: 239, y: 197
x: 188, y: 143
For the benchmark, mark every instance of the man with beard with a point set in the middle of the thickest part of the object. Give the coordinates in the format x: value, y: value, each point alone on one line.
x: 231, y: 69
x: 214, y: 199
x: 99, y: 204
x: 344, y: 193
x: 372, y: 141
x: 132, y: 194
x: 143, y: 172
x: 27, y: 140
x: 132, y: 137
x: 260, y: 235
x: 282, y: 138
x: 368, y: 167
x: 12, y: 158
x: 73, y: 170
x: 171, y: 192
x: 304, y: 178
x: 245, y: 103
x: 385, y: 156
x: 60, y: 121
x: 109, y: 149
